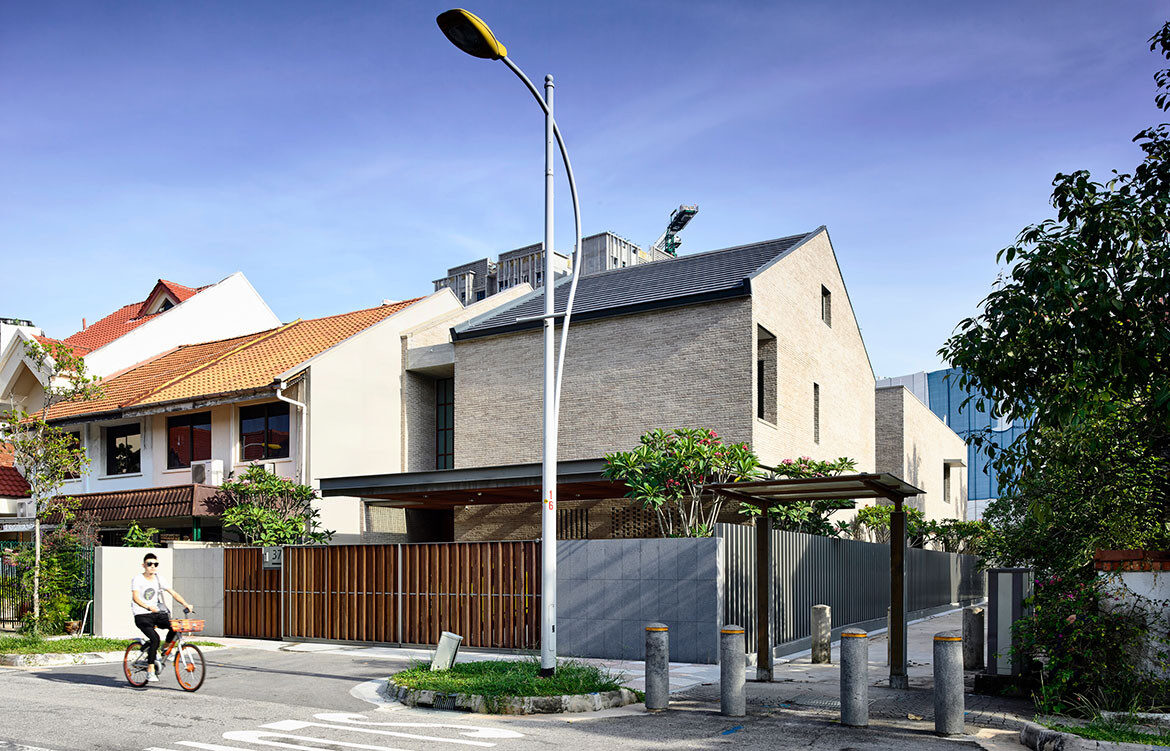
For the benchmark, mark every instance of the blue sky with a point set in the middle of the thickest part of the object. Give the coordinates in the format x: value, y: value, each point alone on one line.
x: 339, y: 153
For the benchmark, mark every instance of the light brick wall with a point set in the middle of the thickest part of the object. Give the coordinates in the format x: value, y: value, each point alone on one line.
x: 786, y: 300
x: 913, y: 444
x: 679, y: 367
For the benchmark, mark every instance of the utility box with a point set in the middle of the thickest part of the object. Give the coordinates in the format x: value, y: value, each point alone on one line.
x: 1007, y: 589
x: 445, y: 653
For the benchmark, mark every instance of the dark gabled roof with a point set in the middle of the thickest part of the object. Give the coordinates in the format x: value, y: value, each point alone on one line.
x: 687, y: 280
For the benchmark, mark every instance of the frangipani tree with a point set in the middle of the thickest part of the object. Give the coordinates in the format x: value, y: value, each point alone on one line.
x: 667, y: 472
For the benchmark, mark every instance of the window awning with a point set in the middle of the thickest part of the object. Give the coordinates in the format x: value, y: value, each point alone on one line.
x: 151, y: 503
x: 506, y: 483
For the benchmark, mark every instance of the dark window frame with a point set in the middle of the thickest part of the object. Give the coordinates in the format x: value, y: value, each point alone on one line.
x: 266, y: 452
x: 444, y: 423
x: 112, y: 434
x: 187, y: 421
x: 826, y: 306
x: 77, y: 444
x: 816, y: 413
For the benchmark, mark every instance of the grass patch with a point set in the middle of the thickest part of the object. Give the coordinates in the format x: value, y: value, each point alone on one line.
x: 1102, y: 729
x: 509, y: 678
x: 26, y: 644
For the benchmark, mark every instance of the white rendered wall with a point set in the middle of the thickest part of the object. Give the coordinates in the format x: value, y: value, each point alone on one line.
x: 113, y: 568
x: 1152, y: 586
x: 229, y: 308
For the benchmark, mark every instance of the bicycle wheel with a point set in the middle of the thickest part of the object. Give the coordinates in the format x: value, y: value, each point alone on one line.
x: 189, y: 667
x: 135, y: 665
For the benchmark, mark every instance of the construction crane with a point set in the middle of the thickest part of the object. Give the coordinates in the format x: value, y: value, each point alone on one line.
x: 669, y: 241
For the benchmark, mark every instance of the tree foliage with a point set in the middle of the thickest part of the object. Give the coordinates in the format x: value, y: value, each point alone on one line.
x: 666, y: 474
x: 139, y: 537
x: 810, y: 517
x: 1075, y: 336
x: 269, y: 510
x: 47, y: 457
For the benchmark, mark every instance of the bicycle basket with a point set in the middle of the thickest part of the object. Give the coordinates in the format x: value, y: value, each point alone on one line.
x: 186, y: 625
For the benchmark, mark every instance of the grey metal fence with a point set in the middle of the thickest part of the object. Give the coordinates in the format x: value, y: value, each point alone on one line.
x: 851, y: 577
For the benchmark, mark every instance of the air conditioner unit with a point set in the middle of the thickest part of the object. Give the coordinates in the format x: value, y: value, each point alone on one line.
x: 270, y: 467
x: 26, y: 509
x: 209, y: 472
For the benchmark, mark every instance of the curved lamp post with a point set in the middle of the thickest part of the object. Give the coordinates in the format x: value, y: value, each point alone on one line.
x: 469, y: 33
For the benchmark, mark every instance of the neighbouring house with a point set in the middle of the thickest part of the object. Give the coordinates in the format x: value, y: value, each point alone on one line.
x: 13, y: 488
x: 916, y: 445
x: 942, y: 392
x: 310, y: 398
x: 171, y: 315
x: 757, y: 342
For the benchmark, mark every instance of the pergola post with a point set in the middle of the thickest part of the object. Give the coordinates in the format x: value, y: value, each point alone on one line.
x: 764, y: 603
x: 897, y: 635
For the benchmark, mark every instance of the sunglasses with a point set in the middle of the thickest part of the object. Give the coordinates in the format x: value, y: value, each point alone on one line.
x: 153, y: 564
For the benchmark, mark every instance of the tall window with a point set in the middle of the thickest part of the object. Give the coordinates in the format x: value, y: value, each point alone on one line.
x: 264, y: 431
x: 188, y: 439
x: 766, y: 398
x: 124, y: 449
x: 445, y: 423
x: 816, y: 413
x: 75, y: 444
x: 826, y: 306
x: 946, y: 483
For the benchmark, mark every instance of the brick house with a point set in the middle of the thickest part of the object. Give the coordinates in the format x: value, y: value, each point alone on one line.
x: 758, y: 342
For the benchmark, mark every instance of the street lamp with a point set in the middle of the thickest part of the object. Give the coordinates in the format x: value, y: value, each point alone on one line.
x: 469, y: 33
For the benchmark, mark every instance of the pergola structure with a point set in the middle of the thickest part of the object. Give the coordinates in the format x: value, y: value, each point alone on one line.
x: 841, y: 487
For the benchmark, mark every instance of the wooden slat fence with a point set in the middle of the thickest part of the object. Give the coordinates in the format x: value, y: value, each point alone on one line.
x: 251, y: 595
x: 407, y: 594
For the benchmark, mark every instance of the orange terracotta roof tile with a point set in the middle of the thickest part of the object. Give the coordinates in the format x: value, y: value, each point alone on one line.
x: 227, y: 366
x: 125, y: 319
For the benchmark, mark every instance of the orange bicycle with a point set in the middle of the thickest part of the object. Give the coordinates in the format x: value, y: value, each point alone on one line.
x: 188, y: 658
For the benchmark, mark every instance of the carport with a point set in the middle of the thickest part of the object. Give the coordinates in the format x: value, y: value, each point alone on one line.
x: 842, y: 487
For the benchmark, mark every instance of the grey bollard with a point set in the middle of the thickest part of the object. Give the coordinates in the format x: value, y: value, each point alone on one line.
x: 973, y: 630
x: 948, y: 683
x: 821, y: 627
x: 732, y: 669
x: 854, y: 678
x: 657, y: 667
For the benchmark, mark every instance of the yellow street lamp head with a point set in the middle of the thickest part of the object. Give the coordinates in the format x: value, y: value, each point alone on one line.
x: 469, y: 33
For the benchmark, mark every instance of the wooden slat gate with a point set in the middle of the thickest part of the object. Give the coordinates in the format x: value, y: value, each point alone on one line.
x: 251, y: 595
x: 405, y: 594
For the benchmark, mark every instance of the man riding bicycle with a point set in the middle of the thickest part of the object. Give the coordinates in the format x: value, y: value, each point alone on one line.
x: 150, y: 608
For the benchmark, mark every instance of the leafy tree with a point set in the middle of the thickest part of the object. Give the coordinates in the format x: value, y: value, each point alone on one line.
x: 957, y: 535
x: 810, y: 517
x: 1077, y: 495
x: 1075, y: 335
x: 269, y: 510
x: 46, y: 455
x: 666, y: 474
x: 874, y: 522
x: 139, y: 537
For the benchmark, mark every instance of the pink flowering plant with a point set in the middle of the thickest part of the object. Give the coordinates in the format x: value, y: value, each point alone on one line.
x: 1092, y: 648
x: 810, y: 517
x: 668, y: 471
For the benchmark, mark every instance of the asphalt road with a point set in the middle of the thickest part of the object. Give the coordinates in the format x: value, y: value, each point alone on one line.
x: 255, y: 700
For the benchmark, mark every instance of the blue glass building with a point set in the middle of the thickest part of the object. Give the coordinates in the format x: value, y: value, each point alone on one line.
x: 941, y: 392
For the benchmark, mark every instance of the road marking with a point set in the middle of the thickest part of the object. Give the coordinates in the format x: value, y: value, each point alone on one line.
x: 472, y: 731
x: 301, y: 725
x: 258, y: 736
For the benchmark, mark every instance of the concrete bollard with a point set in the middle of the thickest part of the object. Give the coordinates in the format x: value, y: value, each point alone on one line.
x: 854, y: 678
x: 948, y: 683
x: 732, y: 669
x: 821, y: 628
x: 973, y: 630
x: 657, y: 667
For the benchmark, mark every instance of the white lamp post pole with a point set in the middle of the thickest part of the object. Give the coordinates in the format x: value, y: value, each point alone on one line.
x: 548, y: 466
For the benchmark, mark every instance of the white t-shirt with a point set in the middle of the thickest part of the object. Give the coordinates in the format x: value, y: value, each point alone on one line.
x: 150, y: 591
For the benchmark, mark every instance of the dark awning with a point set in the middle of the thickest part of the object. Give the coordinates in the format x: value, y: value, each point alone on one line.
x: 840, y: 487
x: 151, y: 503
x: 507, y: 483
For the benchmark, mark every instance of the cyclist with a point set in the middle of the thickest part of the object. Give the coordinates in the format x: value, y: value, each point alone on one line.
x: 150, y: 608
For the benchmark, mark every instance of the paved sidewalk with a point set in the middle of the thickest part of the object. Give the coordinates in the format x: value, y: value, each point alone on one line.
x: 799, y: 685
